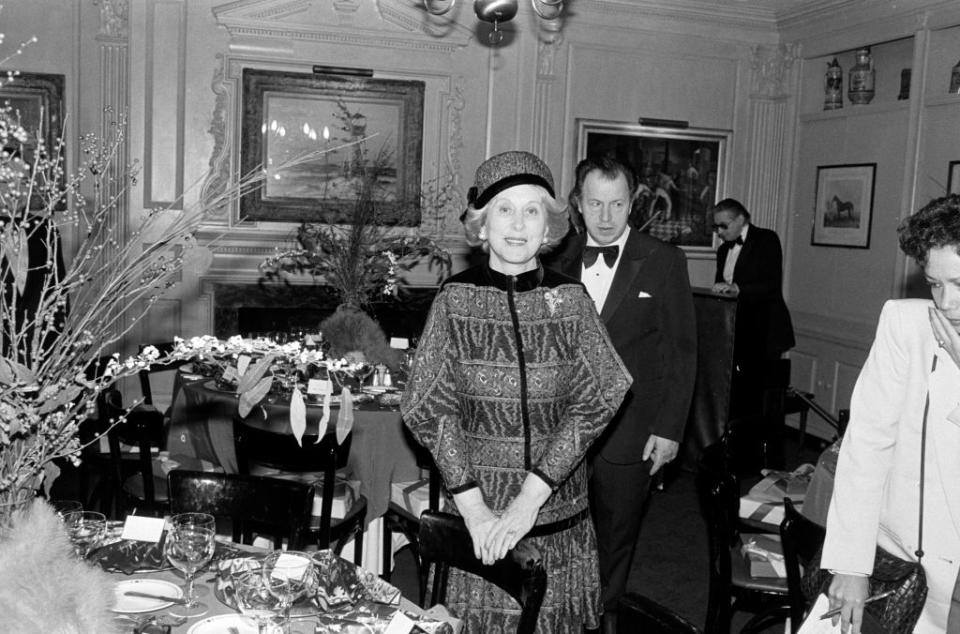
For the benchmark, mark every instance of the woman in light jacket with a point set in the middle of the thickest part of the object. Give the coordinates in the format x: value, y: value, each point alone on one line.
x: 877, y: 491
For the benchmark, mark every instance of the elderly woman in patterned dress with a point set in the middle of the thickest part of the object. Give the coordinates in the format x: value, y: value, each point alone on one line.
x: 513, y: 379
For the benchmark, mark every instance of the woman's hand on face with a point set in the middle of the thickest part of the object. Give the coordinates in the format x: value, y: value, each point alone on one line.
x: 945, y: 334
x: 849, y: 593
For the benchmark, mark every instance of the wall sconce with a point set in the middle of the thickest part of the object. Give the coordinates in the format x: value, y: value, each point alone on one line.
x: 499, y: 11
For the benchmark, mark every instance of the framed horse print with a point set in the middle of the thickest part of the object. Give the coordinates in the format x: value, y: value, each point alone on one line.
x: 844, y: 205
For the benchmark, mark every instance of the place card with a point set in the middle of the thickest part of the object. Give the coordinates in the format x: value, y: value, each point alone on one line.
x: 243, y: 362
x: 399, y: 343
x: 290, y: 566
x: 399, y: 624
x: 319, y: 386
x: 143, y: 529
x: 230, y: 374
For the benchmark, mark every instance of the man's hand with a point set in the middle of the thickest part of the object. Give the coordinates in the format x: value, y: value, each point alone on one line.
x: 945, y: 334
x: 518, y: 518
x: 722, y: 288
x: 849, y: 593
x: 479, y: 520
x: 661, y: 451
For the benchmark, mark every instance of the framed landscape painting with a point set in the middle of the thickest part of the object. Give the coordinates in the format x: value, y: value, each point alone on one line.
x: 681, y: 174
x: 844, y: 205
x: 332, y: 146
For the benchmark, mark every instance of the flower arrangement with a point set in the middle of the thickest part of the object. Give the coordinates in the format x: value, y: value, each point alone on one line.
x: 254, y: 368
x: 366, y: 260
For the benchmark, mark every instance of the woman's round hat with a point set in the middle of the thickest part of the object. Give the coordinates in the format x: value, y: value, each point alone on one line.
x: 506, y: 170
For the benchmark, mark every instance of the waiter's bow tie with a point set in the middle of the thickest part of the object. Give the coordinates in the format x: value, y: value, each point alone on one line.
x: 739, y: 241
x: 609, y: 252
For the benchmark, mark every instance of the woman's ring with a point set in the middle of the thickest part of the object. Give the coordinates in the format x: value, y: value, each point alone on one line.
x: 940, y: 342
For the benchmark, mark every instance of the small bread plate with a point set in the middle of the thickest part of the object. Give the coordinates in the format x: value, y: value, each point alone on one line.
x: 222, y: 623
x: 135, y: 605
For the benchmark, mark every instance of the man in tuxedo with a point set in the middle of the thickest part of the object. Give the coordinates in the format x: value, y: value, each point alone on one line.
x: 642, y: 292
x: 750, y: 268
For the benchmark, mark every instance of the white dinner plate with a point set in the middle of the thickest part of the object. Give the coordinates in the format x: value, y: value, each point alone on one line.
x: 136, y: 605
x: 222, y: 623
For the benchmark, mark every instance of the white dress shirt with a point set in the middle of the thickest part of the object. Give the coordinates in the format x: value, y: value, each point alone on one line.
x: 732, y: 255
x: 598, y: 278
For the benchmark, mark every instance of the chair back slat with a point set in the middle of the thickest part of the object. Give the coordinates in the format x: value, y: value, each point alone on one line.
x: 801, y: 539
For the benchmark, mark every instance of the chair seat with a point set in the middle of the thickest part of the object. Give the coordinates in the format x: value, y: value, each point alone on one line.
x: 740, y: 576
x: 410, y: 499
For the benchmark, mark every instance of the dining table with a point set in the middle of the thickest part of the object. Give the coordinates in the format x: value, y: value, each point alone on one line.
x: 377, y: 597
x: 380, y: 454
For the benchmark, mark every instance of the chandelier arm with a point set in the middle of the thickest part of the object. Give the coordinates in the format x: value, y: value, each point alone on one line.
x: 428, y: 5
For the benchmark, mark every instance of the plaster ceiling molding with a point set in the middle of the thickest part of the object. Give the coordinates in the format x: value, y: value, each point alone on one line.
x: 114, y: 18
x: 829, y: 26
x: 771, y: 67
x: 384, y: 24
x: 711, y: 21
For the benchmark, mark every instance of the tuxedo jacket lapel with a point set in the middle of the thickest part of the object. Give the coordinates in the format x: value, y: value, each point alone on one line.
x: 627, y: 271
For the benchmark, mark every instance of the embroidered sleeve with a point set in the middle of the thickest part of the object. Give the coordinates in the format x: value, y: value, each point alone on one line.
x: 429, y: 405
x: 597, y: 387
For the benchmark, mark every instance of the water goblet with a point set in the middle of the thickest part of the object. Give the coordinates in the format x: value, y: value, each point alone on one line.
x: 189, y: 548
x: 296, y: 576
x: 86, y: 529
x: 256, y: 598
x: 201, y: 520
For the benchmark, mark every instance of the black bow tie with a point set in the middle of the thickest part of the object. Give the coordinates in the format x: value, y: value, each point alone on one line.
x: 739, y: 241
x: 609, y: 252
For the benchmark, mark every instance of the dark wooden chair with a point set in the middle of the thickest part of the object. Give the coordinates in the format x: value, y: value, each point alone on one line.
x: 637, y: 613
x: 801, y: 539
x: 731, y: 587
x: 254, y: 505
x: 133, y: 445
x: 309, y: 462
x: 445, y: 542
x: 403, y: 513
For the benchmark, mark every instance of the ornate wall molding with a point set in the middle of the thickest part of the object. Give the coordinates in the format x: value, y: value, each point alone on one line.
x: 768, y: 129
x: 771, y: 70
x: 114, y: 19
x: 220, y: 164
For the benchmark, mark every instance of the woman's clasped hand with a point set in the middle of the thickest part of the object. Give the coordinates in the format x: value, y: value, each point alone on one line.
x: 493, y: 536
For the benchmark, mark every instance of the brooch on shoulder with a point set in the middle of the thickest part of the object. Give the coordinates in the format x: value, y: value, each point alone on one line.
x: 553, y: 300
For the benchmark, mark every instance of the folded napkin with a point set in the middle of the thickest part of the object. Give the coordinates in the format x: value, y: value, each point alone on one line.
x: 339, y: 583
x: 129, y: 556
x: 367, y: 618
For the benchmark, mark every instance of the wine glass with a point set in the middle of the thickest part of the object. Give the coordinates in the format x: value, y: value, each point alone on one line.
x: 63, y: 507
x: 256, y: 598
x: 189, y: 548
x: 86, y: 529
x: 290, y: 575
x: 198, y: 520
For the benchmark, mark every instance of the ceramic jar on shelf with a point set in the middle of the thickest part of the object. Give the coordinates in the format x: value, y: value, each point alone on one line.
x: 833, y: 86
x: 862, y: 77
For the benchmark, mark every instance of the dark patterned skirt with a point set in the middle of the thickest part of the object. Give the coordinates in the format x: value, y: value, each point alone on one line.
x: 571, y: 603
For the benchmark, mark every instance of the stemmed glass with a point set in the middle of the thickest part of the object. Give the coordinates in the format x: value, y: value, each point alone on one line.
x: 63, y: 507
x: 256, y: 598
x: 290, y: 575
x: 189, y: 547
x: 86, y: 529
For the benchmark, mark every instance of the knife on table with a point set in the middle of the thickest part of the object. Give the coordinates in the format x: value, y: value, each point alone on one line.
x: 158, y: 597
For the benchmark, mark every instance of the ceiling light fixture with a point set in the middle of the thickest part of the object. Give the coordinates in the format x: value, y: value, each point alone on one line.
x: 497, y: 12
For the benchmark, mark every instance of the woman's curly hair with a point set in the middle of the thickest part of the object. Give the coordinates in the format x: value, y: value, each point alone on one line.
x: 936, y: 225
x: 558, y: 223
